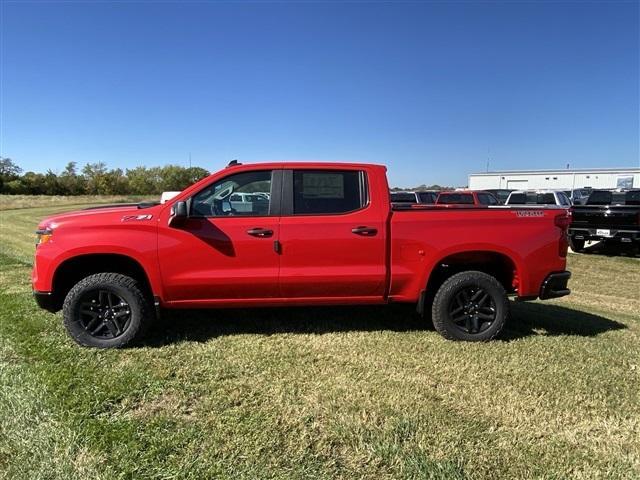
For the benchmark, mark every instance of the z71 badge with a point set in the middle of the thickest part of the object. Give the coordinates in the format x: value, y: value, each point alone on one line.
x: 136, y: 218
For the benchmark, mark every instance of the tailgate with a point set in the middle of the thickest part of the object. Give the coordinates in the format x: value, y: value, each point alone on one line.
x: 619, y: 217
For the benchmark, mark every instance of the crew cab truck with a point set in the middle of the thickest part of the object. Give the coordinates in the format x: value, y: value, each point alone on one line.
x: 609, y: 216
x: 319, y: 234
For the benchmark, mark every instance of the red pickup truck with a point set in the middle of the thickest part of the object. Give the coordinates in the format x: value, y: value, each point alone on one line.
x: 294, y: 234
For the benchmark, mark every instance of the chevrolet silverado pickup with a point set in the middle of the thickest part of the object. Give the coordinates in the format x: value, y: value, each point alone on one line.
x: 276, y: 234
x: 606, y: 216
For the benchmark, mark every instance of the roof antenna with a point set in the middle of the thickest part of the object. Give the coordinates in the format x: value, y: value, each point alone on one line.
x: 233, y: 163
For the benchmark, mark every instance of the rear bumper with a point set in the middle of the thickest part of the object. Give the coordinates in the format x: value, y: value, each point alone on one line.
x: 555, y: 285
x: 615, y: 234
x: 46, y: 300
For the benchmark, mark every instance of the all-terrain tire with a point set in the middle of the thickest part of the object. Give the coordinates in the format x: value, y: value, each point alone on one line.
x: 83, y: 308
x: 454, y: 319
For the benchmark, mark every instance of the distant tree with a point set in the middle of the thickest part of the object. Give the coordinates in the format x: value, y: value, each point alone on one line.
x: 8, y: 171
x: 97, y: 179
x: 144, y: 181
x: 70, y: 182
x: 176, y: 178
x: 115, y: 183
x: 95, y: 176
x: 33, y: 184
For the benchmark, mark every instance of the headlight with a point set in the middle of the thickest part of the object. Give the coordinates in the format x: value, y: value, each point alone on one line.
x: 43, y: 236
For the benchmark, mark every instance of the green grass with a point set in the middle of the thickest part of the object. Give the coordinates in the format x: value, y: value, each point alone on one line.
x: 324, y: 392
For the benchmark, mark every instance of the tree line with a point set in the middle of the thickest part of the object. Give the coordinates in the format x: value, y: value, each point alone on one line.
x: 97, y: 179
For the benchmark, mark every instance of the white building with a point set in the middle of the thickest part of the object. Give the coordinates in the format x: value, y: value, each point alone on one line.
x: 557, y: 179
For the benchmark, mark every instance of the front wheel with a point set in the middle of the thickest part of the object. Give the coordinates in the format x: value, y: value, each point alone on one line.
x: 470, y: 306
x: 106, y: 310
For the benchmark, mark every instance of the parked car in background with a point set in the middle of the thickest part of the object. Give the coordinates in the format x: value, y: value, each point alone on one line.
x: 327, y: 234
x: 500, y: 193
x: 427, y: 197
x: 538, y: 197
x: 462, y: 198
x: 579, y: 196
x: 610, y: 216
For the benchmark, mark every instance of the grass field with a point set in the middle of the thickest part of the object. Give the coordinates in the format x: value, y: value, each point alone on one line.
x: 11, y: 202
x: 324, y: 392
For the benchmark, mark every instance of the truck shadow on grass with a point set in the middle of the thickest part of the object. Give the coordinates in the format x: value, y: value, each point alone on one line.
x: 612, y: 250
x: 527, y: 319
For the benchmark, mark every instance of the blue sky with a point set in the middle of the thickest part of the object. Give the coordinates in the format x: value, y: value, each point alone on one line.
x: 429, y: 89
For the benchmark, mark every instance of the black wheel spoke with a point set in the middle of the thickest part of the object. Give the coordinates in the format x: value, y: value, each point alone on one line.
x: 485, y: 316
x: 476, y: 324
x: 93, y: 323
x: 460, y: 318
x: 100, y: 327
x: 484, y: 298
x: 113, y: 328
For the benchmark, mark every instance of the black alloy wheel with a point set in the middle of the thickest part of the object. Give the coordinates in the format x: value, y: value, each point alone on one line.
x: 104, y: 314
x: 472, y: 310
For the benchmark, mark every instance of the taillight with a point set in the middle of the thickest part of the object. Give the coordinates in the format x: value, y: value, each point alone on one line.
x: 563, y: 221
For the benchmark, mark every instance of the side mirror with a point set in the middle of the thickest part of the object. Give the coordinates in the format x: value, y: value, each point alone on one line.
x: 178, y: 214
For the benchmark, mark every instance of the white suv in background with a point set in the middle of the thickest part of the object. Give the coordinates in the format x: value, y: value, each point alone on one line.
x: 538, y: 197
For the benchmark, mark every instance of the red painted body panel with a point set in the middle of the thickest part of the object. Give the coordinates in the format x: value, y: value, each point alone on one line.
x: 209, y: 262
x: 321, y: 257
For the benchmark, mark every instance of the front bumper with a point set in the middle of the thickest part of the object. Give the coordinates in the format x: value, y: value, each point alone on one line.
x: 47, y: 301
x: 555, y: 285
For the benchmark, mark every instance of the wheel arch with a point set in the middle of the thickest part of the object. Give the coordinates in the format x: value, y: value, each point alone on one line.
x: 497, y: 264
x: 73, y: 269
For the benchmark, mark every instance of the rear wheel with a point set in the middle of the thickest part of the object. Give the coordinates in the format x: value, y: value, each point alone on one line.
x: 106, y: 310
x: 576, y: 245
x: 471, y: 306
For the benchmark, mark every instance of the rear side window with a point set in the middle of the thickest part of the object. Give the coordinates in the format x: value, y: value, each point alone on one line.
x: 517, y: 199
x: 427, y: 197
x: 403, y: 197
x: 632, y: 198
x: 545, y: 199
x: 532, y: 198
x: 456, y: 198
x: 487, y: 199
x: 328, y: 191
x: 600, y: 198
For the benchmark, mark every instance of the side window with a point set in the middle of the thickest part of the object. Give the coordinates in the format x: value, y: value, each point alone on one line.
x: 427, y: 197
x: 328, y: 191
x: 545, y: 199
x: 517, y: 199
x: 247, y: 194
x: 486, y: 199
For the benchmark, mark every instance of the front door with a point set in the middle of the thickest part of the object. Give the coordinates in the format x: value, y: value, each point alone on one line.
x: 332, y: 237
x: 225, y: 249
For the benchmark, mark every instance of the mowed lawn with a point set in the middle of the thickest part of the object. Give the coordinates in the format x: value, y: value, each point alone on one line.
x: 324, y: 392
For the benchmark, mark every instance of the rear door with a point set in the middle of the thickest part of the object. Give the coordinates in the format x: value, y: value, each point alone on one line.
x: 332, y: 235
